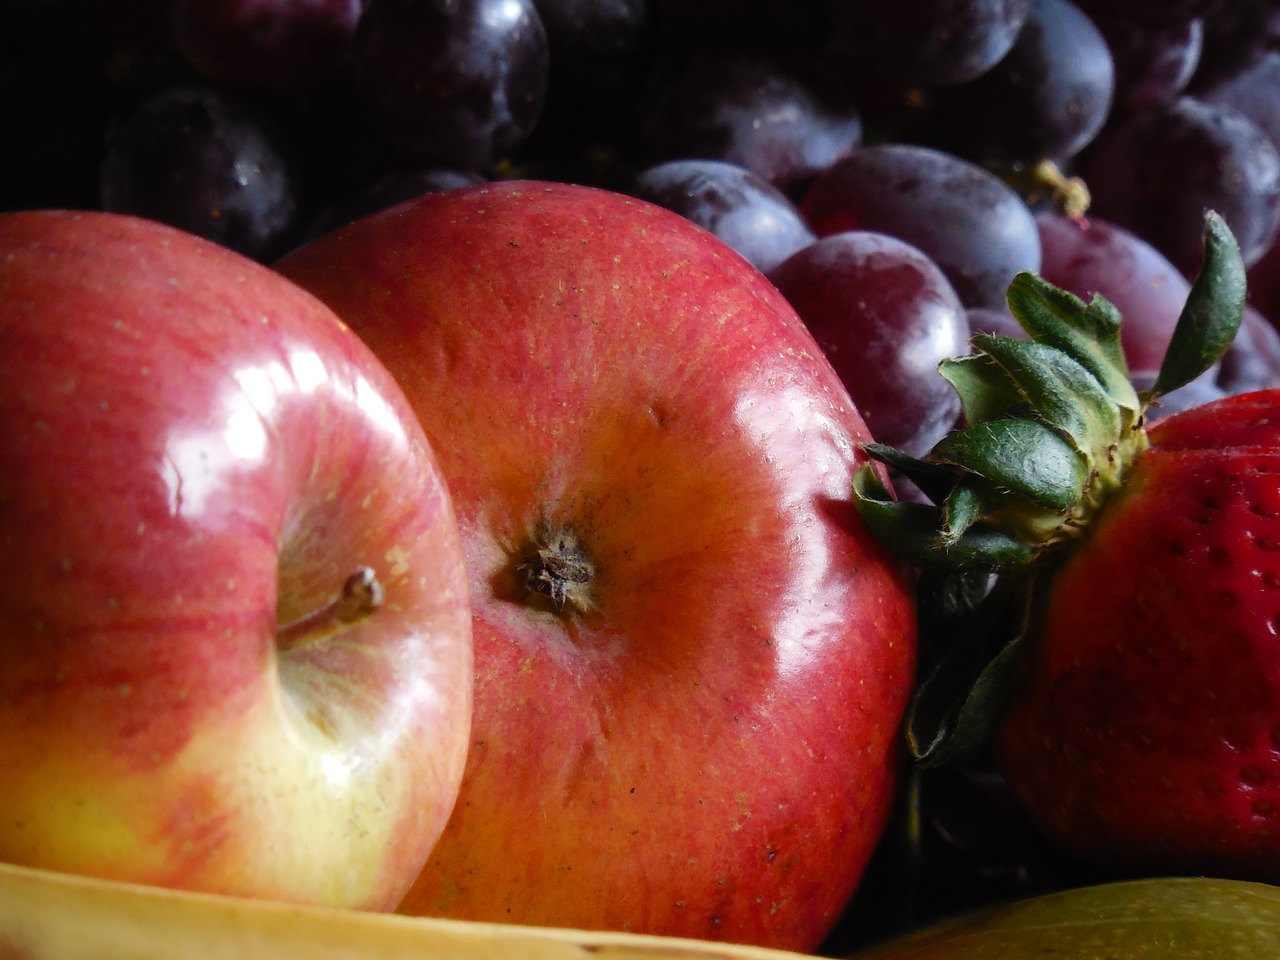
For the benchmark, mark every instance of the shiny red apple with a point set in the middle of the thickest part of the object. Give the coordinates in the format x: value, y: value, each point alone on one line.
x: 235, y: 648
x: 691, y: 659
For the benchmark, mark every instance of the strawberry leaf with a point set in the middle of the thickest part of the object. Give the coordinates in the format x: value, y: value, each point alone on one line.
x: 934, y: 480
x: 983, y: 386
x: 1212, y: 314
x: 1021, y: 456
x: 1063, y: 393
x: 957, y: 707
x: 911, y: 532
x: 902, y: 461
x: 1088, y: 333
x: 963, y: 508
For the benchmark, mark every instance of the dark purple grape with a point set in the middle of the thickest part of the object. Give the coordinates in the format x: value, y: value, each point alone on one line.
x: 1090, y: 255
x: 1264, y: 284
x: 265, y: 44
x: 599, y: 50
x: 885, y: 316
x: 1045, y: 100
x: 1252, y: 362
x: 390, y: 189
x: 967, y: 220
x: 745, y: 211
x: 927, y: 42
x: 1157, y: 171
x: 459, y: 82
x: 1204, y: 389
x: 594, y: 43
x: 331, y: 127
x: 755, y: 112
x: 1153, y: 64
x: 1235, y: 36
x: 996, y: 321
x: 205, y: 162
x: 1254, y: 91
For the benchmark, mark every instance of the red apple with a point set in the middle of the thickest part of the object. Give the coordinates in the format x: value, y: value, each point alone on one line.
x: 691, y: 659
x: 195, y: 457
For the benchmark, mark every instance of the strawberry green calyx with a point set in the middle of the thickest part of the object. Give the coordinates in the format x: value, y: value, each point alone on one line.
x: 1050, y: 427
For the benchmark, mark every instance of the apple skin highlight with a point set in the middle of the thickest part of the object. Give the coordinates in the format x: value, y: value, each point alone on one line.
x: 195, y: 452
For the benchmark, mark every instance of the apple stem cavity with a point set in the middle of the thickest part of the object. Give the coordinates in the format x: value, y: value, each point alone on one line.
x: 559, y: 570
x: 361, y: 594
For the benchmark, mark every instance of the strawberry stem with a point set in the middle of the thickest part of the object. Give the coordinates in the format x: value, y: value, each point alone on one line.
x: 1051, y: 428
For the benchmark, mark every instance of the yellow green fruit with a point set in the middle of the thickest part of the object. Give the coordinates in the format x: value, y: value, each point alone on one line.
x: 1171, y: 918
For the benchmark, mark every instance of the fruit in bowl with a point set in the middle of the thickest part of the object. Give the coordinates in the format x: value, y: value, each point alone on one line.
x: 691, y: 659
x: 235, y: 649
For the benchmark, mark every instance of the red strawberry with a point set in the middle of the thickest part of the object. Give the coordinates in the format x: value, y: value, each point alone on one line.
x: 1146, y: 730
x: 1127, y: 659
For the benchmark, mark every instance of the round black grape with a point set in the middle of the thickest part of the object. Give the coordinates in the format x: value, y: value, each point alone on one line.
x: 1046, y: 99
x: 745, y: 211
x: 1153, y: 64
x: 595, y: 44
x: 460, y: 82
x: 1203, y: 389
x: 1235, y: 36
x: 205, y: 162
x: 966, y: 219
x: 1254, y: 91
x: 1252, y: 362
x: 1264, y: 283
x: 995, y: 320
x: 927, y: 42
x: 390, y: 189
x: 885, y: 316
x: 264, y: 44
x: 599, y: 51
x: 756, y: 112
x: 1157, y: 171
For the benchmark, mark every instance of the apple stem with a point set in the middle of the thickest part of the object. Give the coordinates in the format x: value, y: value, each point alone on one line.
x: 360, y: 596
x: 559, y: 570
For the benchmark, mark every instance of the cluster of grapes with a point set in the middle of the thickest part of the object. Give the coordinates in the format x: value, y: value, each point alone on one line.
x: 889, y: 165
x: 973, y: 132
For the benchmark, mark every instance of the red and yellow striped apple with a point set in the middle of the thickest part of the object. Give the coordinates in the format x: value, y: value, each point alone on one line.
x: 691, y: 659
x: 235, y: 649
